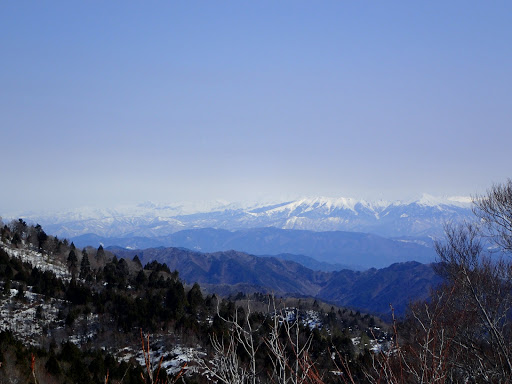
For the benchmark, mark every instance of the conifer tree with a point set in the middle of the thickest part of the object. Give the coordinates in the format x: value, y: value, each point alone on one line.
x: 7, y: 286
x: 72, y: 260
x: 137, y: 260
x: 100, y: 253
x: 176, y: 299
x: 85, y: 265
x: 194, y: 297
x: 41, y: 236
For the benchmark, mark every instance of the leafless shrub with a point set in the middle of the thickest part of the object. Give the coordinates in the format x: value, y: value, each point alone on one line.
x: 291, y: 361
x: 225, y: 365
x: 284, y: 344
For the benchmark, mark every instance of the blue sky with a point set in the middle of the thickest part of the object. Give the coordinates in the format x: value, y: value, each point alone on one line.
x: 104, y: 103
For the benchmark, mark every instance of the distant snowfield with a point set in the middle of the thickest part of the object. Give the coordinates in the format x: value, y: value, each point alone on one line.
x: 423, y: 217
x: 171, y: 210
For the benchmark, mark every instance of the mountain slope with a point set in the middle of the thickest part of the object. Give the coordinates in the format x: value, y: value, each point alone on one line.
x: 377, y: 289
x: 371, y: 290
x: 350, y: 249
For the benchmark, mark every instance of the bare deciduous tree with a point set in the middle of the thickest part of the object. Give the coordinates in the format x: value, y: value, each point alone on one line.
x: 284, y: 344
x: 289, y: 349
x: 495, y: 212
x: 463, y: 333
x: 225, y: 365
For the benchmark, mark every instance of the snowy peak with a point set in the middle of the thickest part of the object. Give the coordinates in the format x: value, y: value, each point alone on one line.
x: 325, y: 205
x: 423, y: 217
x: 310, y: 204
x: 432, y: 201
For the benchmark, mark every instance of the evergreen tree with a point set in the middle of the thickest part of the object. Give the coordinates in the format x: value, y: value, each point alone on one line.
x: 85, y: 266
x: 52, y: 365
x: 141, y: 278
x: 100, y: 253
x: 9, y: 273
x: 176, y: 300
x: 41, y: 236
x: 137, y: 260
x: 21, y: 292
x: 72, y: 260
x: 5, y: 234
x: 20, y: 228
x: 16, y: 239
x: 7, y: 287
x: 194, y: 297
x: 4, y: 257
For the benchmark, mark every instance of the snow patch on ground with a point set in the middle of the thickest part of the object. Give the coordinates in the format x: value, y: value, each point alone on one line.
x: 174, y: 358
x: 29, y: 319
x: 40, y: 261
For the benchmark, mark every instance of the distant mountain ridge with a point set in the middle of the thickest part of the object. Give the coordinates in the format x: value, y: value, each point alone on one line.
x: 372, y: 290
x: 353, y: 250
x: 423, y: 217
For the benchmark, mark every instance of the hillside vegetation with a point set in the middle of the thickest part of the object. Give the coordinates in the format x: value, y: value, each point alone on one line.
x: 84, y: 316
x: 230, y: 272
x: 80, y: 313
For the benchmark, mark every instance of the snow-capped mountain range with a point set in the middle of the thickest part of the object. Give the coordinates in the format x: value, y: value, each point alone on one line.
x: 424, y: 217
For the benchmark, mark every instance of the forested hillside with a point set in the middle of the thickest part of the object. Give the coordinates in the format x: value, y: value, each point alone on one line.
x: 80, y: 313
x: 71, y: 315
x: 229, y: 272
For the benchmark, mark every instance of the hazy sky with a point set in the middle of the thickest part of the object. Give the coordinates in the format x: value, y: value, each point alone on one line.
x: 115, y: 102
